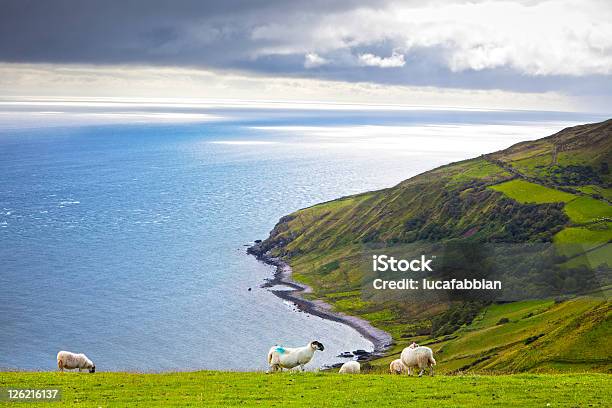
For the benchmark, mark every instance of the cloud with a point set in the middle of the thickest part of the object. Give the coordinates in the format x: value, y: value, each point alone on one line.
x: 371, y: 60
x: 529, y: 46
x: 537, y: 38
x: 89, y: 83
x: 313, y: 60
x: 560, y: 37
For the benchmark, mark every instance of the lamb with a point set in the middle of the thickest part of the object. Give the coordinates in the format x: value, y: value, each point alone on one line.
x: 350, y: 367
x: 397, y: 367
x: 285, y: 357
x: 70, y: 361
x: 418, y: 356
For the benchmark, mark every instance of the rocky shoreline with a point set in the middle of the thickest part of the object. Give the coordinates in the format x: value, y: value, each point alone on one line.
x: 282, y: 276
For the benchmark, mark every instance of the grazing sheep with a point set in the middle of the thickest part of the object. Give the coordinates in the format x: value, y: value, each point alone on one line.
x: 350, y: 367
x: 397, y: 367
x: 418, y: 356
x: 285, y: 357
x: 69, y: 361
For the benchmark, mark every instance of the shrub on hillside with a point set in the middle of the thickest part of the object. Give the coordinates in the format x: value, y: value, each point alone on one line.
x: 455, y: 317
x: 503, y: 320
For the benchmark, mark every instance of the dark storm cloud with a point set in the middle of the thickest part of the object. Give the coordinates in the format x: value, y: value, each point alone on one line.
x: 184, y: 32
x: 268, y: 37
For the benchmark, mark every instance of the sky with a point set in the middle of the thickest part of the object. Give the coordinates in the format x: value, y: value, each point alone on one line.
x: 549, y: 55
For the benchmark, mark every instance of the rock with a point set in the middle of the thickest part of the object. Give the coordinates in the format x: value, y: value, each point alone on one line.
x: 361, y: 352
x: 335, y: 365
x: 346, y: 354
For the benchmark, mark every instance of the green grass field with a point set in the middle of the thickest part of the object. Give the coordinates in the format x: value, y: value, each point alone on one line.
x: 526, y: 192
x: 592, y: 234
x: 587, y: 209
x: 576, y: 240
x: 213, y: 388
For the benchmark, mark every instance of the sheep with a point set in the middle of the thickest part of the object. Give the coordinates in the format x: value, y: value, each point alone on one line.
x: 418, y: 356
x: 397, y: 367
x: 350, y: 367
x: 285, y: 357
x: 69, y: 361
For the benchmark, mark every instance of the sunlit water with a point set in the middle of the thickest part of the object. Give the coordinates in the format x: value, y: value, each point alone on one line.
x: 127, y: 241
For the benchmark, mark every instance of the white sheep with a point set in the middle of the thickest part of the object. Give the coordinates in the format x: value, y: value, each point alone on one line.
x: 350, y: 367
x: 418, y: 356
x: 285, y: 357
x: 397, y: 367
x: 69, y: 361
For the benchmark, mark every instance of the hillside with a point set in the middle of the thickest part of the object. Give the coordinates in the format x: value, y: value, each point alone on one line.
x: 552, y: 194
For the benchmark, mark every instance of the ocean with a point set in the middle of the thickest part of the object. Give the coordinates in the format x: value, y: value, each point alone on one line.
x: 123, y: 230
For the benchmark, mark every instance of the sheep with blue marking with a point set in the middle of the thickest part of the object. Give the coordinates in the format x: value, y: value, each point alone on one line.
x: 284, y: 357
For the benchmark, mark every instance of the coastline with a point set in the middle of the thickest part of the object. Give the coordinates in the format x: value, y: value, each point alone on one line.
x: 381, y: 340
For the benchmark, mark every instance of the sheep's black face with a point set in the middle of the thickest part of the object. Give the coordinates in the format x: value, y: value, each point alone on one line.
x: 318, y: 346
x: 92, y: 369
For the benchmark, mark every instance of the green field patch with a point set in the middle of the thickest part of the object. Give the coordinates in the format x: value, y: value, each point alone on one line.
x: 587, y: 209
x: 575, y: 240
x: 526, y: 192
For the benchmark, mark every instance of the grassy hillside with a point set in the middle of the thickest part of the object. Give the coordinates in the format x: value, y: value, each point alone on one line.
x: 537, y: 335
x: 553, y: 191
x: 213, y: 388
